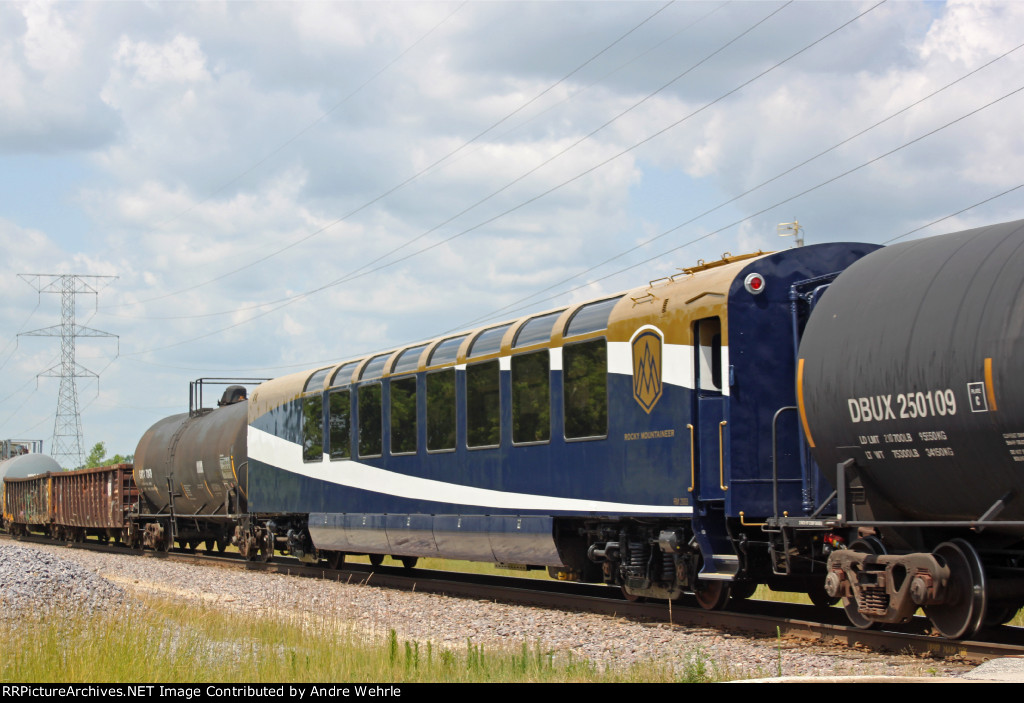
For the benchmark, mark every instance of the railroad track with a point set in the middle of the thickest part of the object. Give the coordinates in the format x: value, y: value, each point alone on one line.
x: 751, y: 617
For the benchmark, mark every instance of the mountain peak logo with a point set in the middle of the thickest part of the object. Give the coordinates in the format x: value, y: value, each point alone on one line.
x: 647, y: 368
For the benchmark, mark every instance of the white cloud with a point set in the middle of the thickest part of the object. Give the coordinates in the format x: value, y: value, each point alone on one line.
x: 970, y: 31
x: 330, y: 24
x: 49, y: 46
x: 180, y: 60
x: 47, y: 95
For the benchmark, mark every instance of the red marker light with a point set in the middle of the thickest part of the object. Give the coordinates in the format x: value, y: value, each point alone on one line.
x: 754, y: 283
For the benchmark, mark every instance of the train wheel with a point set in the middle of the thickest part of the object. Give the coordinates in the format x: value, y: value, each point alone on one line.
x: 632, y: 597
x: 712, y: 595
x: 864, y: 545
x: 335, y: 559
x: 964, y: 614
x: 741, y: 590
x: 376, y: 559
x: 869, y: 544
x: 820, y: 597
x: 409, y: 562
x: 266, y: 546
x: 996, y: 615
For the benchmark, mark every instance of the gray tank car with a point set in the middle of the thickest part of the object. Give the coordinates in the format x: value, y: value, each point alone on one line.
x: 192, y: 467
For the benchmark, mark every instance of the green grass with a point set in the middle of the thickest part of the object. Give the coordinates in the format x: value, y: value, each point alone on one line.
x: 765, y: 593
x: 161, y: 641
x: 466, y: 567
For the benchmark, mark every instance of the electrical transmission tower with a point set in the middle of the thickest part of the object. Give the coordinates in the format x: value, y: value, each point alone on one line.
x: 67, y: 427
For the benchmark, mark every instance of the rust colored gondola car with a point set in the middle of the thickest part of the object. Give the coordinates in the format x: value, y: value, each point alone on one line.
x: 73, y: 505
x: 93, y: 502
x: 27, y: 504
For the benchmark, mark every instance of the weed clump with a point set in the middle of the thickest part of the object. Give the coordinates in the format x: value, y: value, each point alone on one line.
x: 171, y: 643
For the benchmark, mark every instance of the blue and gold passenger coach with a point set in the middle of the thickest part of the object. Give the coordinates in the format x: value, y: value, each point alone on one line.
x: 634, y: 438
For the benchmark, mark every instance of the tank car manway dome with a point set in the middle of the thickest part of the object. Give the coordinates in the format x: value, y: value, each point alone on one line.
x: 913, y: 365
x: 27, y: 465
x: 232, y: 395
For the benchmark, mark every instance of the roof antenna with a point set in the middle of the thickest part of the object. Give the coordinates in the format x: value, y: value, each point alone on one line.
x: 790, y: 229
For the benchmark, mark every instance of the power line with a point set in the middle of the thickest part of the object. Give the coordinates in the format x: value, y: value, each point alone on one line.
x: 755, y: 188
x: 611, y: 73
x: 709, y: 234
x: 954, y: 214
x: 18, y: 409
x: 468, y: 325
x: 765, y: 209
x: 397, y: 187
x: 295, y: 137
x: 359, y: 273
x: 356, y: 273
x: 14, y: 340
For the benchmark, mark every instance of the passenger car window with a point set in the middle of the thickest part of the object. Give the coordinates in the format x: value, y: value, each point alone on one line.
x: 408, y: 360
x: 586, y: 389
x: 483, y: 406
x: 531, y: 397
x: 339, y: 423
x: 343, y: 375
x: 403, y: 415
x: 536, y: 330
x: 316, y: 381
x: 446, y: 351
x: 488, y: 341
x: 375, y: 366
x: 591, y: 317
x: 313, y: 428
x: 370, y: 441
x: 709, y: 354
x: 441, y: 410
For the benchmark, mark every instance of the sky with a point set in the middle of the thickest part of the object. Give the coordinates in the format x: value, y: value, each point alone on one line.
x: 279, y: 186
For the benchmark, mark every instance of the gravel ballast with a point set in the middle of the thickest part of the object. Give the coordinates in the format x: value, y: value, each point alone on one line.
x: 30, y: 573
x: 33, y: 580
